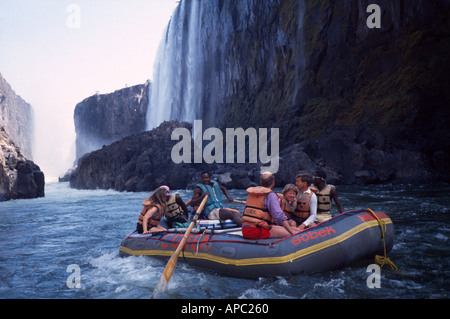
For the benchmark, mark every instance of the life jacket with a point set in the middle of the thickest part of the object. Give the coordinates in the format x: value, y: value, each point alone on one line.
x: 302, y: 210
x: 286, y: 207
x: 324, y: 200
x: 255, y: 213
x: 214, y: 199
x: 173, y: 209
x: 154, y: 220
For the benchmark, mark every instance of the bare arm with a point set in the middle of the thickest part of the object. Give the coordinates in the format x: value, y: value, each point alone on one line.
x: 334, y: 195
x: 182, y: 205
x: 149, y: 214
x: 225, y: 191
x: 198, y: 197
x: 292, y: 230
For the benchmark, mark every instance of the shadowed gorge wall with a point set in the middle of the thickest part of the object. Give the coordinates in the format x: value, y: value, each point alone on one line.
x: 366, y: 105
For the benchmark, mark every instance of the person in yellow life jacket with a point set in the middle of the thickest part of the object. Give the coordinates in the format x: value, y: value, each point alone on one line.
x: 288, y: 201
x: 177, y: 211
x: 154, y: 209
x: 325, y: 193
x: 306, y: 210
x: 263, y: 217
x: 213, y: 208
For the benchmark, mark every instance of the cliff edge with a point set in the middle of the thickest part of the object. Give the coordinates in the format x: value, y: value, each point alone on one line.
x: 19, y: 178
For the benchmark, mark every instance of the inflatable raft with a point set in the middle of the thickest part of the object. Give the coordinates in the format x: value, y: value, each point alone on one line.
x: 333, y: 244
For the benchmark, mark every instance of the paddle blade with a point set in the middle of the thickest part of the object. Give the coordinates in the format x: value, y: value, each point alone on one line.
x: 170, y: 267
x: 160, y: 287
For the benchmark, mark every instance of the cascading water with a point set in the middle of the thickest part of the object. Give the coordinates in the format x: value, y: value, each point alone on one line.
x: 192, y: 72
x: 213, y: 49
x: 177, y: 87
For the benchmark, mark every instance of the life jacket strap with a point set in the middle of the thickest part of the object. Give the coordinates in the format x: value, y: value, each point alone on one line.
x: 260, y: 218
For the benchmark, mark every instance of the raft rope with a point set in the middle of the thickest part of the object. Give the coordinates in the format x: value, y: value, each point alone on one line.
x: 199, y: 240
x: 382, y: 260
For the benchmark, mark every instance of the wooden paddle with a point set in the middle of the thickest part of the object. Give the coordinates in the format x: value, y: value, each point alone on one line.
x: 239, y: 201
x: 168, y: 271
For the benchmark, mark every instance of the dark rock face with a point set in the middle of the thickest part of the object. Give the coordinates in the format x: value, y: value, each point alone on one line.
x: 349, y: 159
x: 364, y: 105
x: 103, y: 119
x: 19, y: 178
x: 135, y: 163
x: 143, y: 162
x: 316, y: 70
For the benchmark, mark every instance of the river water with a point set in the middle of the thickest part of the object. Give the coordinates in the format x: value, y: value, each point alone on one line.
x: 46, y: 242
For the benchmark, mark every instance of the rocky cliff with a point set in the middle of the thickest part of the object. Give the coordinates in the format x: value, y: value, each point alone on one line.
x: 19, y: 178
x: 105, y: 118
x: 16, y: 116
x: 143, y: 162
x: 365, y: 104
x: 135, y: 163
x: 368, y: 104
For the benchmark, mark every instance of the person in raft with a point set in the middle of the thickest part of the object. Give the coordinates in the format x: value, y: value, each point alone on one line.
x: 306, y: 211
x: 213, y: 208
x: 263, y: 217
x: 288, y: 199
x: 177, y: 213
x: 154, y: 209
x: 325, y: 192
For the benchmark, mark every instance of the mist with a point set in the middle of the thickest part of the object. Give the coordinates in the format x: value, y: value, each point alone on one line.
x: 54, y: 54
x: 54, y: 142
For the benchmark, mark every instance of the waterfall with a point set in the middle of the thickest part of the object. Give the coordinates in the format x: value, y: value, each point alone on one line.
x: 178, y: 71
x: 192, y: 71
x: 214, y: 49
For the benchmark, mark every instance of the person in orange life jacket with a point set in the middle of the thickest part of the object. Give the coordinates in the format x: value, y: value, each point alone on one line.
x: 263, y: 217
x: 325, y: 193
x: 306, y: 210
x: 288, y: 199
x: 213, y: 208
x: 154, y: 209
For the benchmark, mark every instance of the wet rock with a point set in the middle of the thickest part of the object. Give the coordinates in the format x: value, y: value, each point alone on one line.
x: 105, y: 118
x: 19, y: 178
